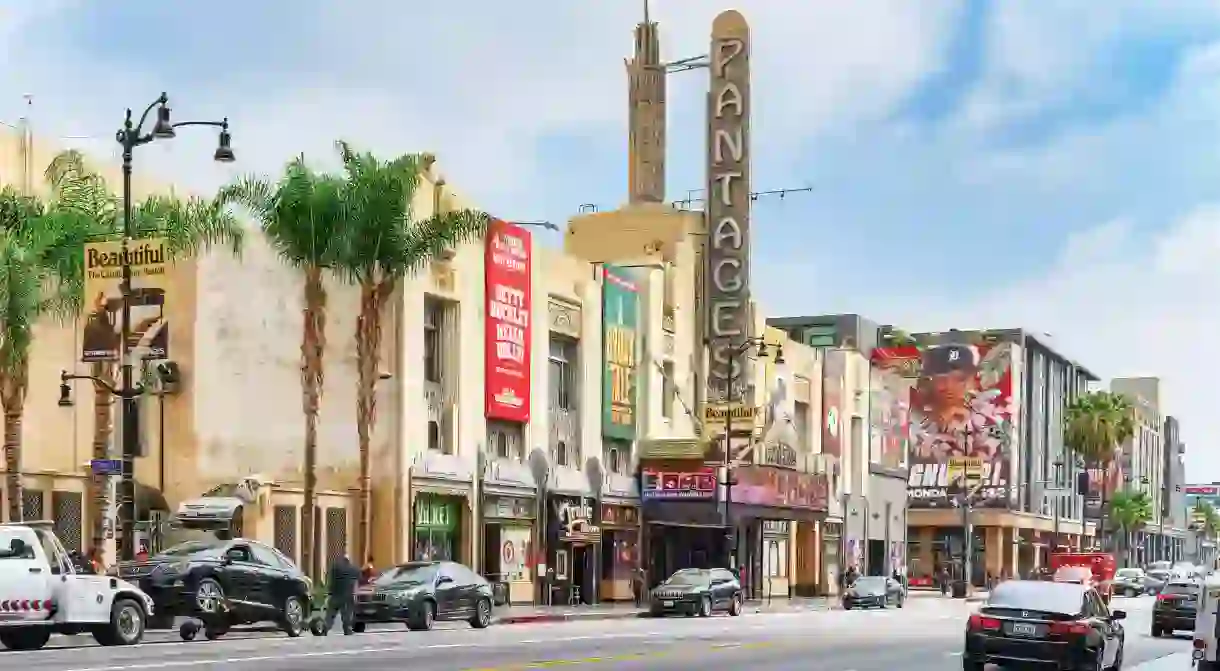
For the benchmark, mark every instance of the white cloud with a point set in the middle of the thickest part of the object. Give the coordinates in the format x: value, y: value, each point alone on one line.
x: 477, y: 81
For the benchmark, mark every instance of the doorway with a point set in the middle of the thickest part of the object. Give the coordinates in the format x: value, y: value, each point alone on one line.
x: 581, y: 578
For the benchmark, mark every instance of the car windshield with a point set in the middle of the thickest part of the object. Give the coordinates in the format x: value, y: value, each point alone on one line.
x: 192, y: 547
x: 869, y: 583
x: 411, y: 574
x: 1159, y: 575
x: 1180, y: 588
x: 690, y: 577
x: 1049, y: 597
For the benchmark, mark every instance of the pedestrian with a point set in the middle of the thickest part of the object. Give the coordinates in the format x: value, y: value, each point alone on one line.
x: 850, y: 578
x: 944, y: 581
x: 341, y: 600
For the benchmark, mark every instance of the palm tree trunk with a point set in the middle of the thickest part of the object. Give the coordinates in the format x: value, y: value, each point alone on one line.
x: 12, y: 396
x: 313, y: 345
x: 103, y: 426
x: 368, y: 357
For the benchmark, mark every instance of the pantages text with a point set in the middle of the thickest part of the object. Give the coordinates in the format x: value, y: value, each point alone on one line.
x: 728, y: 201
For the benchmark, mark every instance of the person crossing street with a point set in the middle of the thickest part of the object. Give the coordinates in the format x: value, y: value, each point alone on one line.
x: 343, y: 578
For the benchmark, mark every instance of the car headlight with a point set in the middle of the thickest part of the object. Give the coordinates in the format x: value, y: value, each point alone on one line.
x: 403, y: 596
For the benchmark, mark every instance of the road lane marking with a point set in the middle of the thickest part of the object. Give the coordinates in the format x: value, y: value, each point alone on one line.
x: 624, y: 657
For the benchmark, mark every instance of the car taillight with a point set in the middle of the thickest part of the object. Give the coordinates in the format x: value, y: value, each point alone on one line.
x: 981, y: 623
x: 1069, y: 628
x: 1166, y: 597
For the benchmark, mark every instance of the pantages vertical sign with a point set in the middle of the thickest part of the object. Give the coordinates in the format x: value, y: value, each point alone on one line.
x: 727, y: 276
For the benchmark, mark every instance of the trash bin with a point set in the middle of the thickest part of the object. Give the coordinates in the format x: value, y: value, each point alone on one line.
x: 959, y: 589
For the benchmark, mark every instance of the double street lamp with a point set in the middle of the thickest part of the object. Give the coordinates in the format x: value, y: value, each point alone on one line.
x: 130, y: 136
x: 736, y: 353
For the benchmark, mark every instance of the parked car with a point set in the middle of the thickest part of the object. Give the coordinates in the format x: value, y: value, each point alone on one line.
x: 224, y: 583
x: 1130, y: 582
x: 1155, y: 580
x: 692, y: 591
x: 1063, y: 624
x: 420, y: 593
x: 874, y: 591
x: 1176, y: 608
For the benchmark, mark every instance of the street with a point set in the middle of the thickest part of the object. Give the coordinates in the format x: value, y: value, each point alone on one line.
x: 926, y: 635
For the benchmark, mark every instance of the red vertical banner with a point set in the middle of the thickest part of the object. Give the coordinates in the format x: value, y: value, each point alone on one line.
x: 834, y: 379
x: 507, y: 346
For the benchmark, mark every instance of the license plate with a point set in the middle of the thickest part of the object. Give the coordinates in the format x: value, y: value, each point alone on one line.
x: 1019, y: 629
x: 667, y: 604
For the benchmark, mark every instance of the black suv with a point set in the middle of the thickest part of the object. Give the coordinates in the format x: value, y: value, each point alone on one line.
x: 419, y: 593
x: 223, y: 583
x: 1176, y: 608
x: 694, y: 591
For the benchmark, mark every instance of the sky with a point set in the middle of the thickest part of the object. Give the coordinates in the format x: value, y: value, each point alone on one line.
x: 1047, y: 165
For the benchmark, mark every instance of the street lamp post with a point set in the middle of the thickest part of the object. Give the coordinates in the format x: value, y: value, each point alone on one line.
x: 726, y: 519
x: 130, y: 136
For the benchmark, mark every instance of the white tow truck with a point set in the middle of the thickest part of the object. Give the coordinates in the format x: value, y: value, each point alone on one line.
x: 43, y: 592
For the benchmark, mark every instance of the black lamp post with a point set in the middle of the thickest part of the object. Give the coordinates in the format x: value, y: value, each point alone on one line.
x: 737, y: 352
x: 130, y: 136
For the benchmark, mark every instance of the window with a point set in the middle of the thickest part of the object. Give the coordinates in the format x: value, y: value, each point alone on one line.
x: 801, y: 419
x: 616, y: 456
x: 264, y: 555
x: 434, y: 311
x: 562, y: 457
x: 562, y: 372
x: 434, y: 435
x: 504, y: 440
x: 668, y: 390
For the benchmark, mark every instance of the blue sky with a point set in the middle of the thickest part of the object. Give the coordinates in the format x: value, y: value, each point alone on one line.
x: 1049, y: 165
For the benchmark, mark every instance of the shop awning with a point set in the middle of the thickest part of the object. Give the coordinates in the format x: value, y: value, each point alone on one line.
x: 672, y: 448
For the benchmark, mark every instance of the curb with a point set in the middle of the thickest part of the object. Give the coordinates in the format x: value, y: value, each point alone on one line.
x: 567, y: 617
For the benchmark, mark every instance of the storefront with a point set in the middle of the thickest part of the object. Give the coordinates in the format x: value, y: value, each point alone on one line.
x: 436, y: 527
x: 508, y: 545
x: 682, y: 525
x: 776, y: 557
x: 620, y: 526
x: 832, y: 542
x: 764, y: 500
x: 573, y: 550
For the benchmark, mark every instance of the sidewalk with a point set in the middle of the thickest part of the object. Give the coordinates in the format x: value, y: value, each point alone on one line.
x: 977, y: 596
x: 1178, y: 661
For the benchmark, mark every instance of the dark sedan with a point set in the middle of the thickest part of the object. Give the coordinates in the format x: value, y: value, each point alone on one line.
x: 1032, y: 622
x: 420, y: 593
x: 697, y: 592
x: 874, y: 592
x: 1176, y: 608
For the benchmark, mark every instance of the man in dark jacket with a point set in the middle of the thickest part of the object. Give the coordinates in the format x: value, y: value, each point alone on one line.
x: 343, y: 578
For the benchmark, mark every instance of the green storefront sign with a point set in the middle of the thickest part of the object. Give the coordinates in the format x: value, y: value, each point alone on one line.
x: 434, y: 512
x: 620, y: 350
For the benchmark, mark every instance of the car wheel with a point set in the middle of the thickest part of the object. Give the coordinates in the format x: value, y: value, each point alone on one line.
x: 705, y: 606
x: 213, y: 633
x: 317, y: 626
x: 188, y: 631
x: 209, y: 596
x: 971, y: 664
x: 292, y: 617
x: 423, y: 620
x: 735, y: 606
x: 126, y: 626
x: 360, y: 627
x: 846, y: 606
x: 1157, y: 632
x: 482, y: 614
x: 31, y: 638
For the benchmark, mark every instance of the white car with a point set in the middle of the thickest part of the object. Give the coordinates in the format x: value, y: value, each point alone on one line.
x: 1206, y: 653
x: 42, y: 592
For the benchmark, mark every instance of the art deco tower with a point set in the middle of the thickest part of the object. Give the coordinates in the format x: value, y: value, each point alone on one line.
x: 646, y: 116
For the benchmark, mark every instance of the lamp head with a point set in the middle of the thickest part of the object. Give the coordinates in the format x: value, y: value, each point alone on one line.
x: 65, y: 395
x: 779, y: 355
x: 224, y: 148
x: 164, y: 130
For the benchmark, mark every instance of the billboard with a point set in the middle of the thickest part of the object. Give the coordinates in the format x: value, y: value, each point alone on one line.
x: 698, y: 484
x: 620, y: 353
x: 780, y: 438
x: 102, y: 334
x: 962, y: 420
x: 834, y: 401
x: 890, y: 406
x: 1194, y: 494
x: 507, y: 325
x: 727, y: 273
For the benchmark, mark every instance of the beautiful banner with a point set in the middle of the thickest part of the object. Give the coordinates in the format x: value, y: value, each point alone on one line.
x: 102, y: 335
x: 620, y: 349
x: 507, y: 345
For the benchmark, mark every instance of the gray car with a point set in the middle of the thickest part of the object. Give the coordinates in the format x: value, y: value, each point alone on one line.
x: 420, y: 593
x: 701, y: 592
x: 874, y: 592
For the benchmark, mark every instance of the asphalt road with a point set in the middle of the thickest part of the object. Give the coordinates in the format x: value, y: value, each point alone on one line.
x: 924, y: 636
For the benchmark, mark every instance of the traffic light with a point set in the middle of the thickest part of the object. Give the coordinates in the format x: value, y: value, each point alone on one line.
x: 1082, y: 483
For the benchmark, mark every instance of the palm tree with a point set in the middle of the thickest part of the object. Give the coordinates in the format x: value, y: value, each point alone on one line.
x: 383, y: 243
x: 1130, y: 510
x: 301, y: 215
x: 188, y: 226
x: 41, y: 274
x: 1094, y: 426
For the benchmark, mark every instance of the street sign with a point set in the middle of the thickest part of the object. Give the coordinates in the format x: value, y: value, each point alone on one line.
x: 968, y: 469
x: 106, y: 466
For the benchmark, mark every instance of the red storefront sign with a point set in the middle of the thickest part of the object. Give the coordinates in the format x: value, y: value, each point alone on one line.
x: 683, y: 485
x: 764, y: 486
x: 507, y: 346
